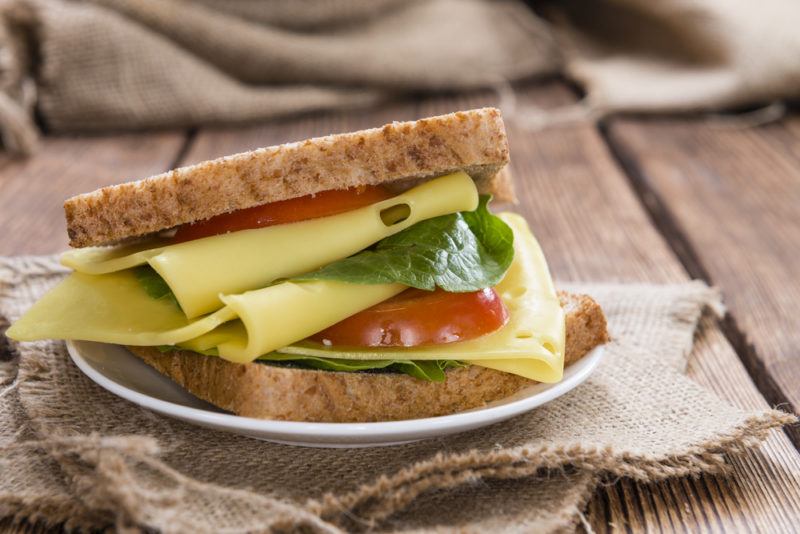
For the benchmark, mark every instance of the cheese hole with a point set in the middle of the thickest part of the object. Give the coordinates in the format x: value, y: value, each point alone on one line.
x: 549, y: 347
x: 514, y: 293
x: 395, y: 214
x: 524, y: 334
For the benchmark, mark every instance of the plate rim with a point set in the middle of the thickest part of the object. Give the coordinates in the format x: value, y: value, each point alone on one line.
x: 300, y: 430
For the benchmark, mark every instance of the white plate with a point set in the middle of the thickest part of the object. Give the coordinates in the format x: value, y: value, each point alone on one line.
x: 116, y: 369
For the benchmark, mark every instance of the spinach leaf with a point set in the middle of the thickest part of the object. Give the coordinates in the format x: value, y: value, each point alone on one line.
x: 425, y: 370
x: 432, y: 370
x: 460, y: 252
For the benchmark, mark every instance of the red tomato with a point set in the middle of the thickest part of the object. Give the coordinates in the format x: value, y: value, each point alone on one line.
x: 416, y: 317
x: 284, y: 211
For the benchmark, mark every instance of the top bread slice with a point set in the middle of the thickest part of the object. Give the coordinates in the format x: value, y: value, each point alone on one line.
x: 401, y: 154
x: 271, y: 392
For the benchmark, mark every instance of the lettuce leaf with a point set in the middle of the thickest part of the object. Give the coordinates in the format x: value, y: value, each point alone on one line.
x: 426, y: 370
x: 460, y: 252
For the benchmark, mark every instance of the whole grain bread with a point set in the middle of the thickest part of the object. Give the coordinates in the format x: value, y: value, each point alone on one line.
x: 271, y: 392
x: 401, y: 154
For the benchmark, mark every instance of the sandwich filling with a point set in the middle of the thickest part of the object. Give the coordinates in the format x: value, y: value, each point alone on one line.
x: 350, y: 280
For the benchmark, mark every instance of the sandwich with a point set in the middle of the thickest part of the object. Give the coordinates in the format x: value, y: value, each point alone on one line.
x: 353, y: 277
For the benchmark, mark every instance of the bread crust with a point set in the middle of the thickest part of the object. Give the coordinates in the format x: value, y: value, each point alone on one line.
x: 271, y: 392
x: 401, y: 153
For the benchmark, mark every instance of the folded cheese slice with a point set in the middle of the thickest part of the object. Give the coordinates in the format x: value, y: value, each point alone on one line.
x: 113, y: 308
x: 199, y: 271
x: 531, y: 344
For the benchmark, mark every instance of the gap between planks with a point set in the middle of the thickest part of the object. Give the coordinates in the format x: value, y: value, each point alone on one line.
x: 662, y: 217
x: 186, y: 146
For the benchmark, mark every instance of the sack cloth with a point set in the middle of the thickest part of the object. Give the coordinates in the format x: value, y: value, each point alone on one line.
x: 127, y: 64
x: 130, y: 64
x: 680, y: 55
x: 72, y: 452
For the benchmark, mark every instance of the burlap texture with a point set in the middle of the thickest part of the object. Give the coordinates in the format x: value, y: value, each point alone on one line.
x: 73, y: 452
x: 129, y: 64
x: 120, y: 64
x: 680, y: 55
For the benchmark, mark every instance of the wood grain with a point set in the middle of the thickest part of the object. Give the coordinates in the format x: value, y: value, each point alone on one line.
x: 602, y: 232
x: 34, y: 190
x: 593, y: 227
x: 761, y: 496
x: 730, y: 201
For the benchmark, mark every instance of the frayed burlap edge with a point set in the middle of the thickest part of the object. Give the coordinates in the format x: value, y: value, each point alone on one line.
x: 100, y: 469
x: 51, y: 512
x: 565, y: 520
x: 389, y: 494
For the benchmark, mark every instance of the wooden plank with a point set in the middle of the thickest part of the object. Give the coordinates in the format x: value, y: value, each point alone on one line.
x: 7, y: 526
x: 33, y: 190
x: 730, y: 201
x: 601, y: 233
x: 593, y: 227
x: 762, y: 495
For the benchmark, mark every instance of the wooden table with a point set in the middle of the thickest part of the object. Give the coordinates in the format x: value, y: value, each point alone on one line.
x: 659, y: 200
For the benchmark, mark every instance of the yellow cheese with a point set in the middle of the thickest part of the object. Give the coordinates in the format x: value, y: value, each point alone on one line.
x: 112, y: 308
x: 199, y: 271
x: 531, y: 344
x: 284, y: 313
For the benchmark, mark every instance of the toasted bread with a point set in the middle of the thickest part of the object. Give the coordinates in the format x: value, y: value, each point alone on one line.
x: 270, y: 392
x: 401, y: 154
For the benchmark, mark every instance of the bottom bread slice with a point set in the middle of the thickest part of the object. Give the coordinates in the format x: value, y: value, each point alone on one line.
x: 272, y: 392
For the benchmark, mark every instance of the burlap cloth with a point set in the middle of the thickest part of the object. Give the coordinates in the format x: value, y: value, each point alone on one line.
x: 122, y: 64
x: 71, y: 452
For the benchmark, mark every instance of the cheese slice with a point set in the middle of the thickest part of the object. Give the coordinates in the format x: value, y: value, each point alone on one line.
x: 113, y: 308
x: 284, y: 313
x: 531, y: 344
x: 199, y: 271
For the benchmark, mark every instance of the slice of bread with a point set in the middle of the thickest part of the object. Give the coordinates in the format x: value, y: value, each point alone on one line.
x: 401, y: 153
x: 271, y: 392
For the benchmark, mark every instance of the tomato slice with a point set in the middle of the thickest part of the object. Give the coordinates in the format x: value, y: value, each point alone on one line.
x: 416, y: 317
x: 321, y: 204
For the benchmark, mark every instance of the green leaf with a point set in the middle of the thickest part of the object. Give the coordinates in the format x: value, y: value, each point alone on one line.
x: 163, y: 349
x: 432, y: 370
x: 459, y: 252
x: 425, y: 370
x: 155, y: 286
